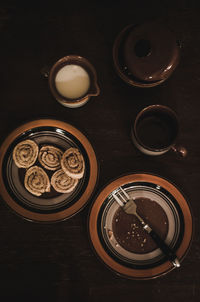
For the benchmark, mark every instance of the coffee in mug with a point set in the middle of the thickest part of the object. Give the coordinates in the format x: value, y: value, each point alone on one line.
x: 155, y: 131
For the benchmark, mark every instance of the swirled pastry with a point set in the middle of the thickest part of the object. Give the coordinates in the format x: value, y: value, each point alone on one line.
x: 36, y: 181
x: 25, y: 153
x: 72, y: 163
x: 63, y: 183
x: 49, y: 157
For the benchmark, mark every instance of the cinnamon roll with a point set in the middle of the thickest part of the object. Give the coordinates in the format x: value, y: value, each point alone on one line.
x: 36, y: 181
x: 49, y: 157
x: 72, y: 163
x: 25, y: 153
x: 63, y: 183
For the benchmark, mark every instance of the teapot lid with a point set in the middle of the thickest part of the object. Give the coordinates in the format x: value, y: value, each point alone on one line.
x: 151, y: 52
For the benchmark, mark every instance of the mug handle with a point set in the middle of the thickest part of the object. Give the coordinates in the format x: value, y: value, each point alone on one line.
x: 179, y: 150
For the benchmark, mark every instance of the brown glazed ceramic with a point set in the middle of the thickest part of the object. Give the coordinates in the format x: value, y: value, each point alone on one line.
x: 77, y: 202
x: 165, y: 121
x: 85, y: 64
x: 107, y: 258
x: 145, y: 55
x: 151, y: 52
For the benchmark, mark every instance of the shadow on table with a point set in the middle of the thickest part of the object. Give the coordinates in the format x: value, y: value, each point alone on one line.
x: 40, y: 282
x: 28, y: 282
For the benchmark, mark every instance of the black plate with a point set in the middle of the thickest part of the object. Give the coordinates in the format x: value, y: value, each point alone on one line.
x: 52, y: 204
x: 143, y: 264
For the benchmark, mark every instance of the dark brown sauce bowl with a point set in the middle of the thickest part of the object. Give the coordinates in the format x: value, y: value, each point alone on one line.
x: 121, y: 67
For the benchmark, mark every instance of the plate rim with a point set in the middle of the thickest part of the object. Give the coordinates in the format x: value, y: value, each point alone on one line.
x: 93, y: 176
x: 139, y: 274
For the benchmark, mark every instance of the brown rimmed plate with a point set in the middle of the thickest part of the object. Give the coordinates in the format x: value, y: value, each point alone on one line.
x: 52, y: 206
x: 140, y: 264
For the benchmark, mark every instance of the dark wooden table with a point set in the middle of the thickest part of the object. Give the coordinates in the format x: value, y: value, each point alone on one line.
x: 55, y: 262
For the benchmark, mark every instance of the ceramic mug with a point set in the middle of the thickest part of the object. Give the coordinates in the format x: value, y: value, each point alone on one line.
x: 72, y: 81
x: 155, y: 131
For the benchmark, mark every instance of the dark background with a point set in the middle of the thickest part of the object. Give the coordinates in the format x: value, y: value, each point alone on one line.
x: 56, y: 262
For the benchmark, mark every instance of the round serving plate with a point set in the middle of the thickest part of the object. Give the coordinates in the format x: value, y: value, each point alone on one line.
x: 50, y: 206
x: 169, y: 214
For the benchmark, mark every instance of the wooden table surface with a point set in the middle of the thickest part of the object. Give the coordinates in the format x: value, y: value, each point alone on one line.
x: 55, y: 262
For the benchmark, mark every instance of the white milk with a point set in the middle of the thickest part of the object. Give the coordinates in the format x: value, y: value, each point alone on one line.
x: 72, y: 81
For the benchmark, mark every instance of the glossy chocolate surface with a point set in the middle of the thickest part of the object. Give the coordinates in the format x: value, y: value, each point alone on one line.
x: 129, y: 232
